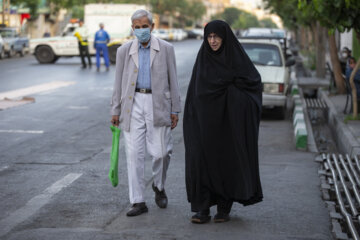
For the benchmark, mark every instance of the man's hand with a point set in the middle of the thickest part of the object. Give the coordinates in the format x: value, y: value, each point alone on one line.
x: 174, y: 120
x: 115, y: 120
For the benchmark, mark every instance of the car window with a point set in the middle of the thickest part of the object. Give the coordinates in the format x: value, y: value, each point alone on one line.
x: 263, y: 54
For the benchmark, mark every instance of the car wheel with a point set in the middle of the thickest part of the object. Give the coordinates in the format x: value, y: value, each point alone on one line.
x: 22, y: 52
x: 11, y: 53
x: 112, y: 53
x: 55, y: 59
x: 44, y: 54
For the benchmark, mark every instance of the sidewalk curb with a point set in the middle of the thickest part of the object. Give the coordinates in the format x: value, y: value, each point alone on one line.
x: 345, y: 140
x: 300, y: 131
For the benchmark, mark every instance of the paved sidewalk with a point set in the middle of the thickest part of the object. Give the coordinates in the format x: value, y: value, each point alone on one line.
x: 346, y: 133
x: 292, y: 206
x: 339, y: 102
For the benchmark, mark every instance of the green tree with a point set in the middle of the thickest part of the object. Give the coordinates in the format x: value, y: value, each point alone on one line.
x: 246, y: 20
x: 229, y: 15
x: 267, y: 23
x: 31, y: 4
x: 302, y: 21
x: 341, y: 15
x: 195, y: 10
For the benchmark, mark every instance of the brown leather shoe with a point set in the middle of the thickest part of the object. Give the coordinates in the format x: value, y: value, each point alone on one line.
x: 137, y: 209
x: 160, y: 197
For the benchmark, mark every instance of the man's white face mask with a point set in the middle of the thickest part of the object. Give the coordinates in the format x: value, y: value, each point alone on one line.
x: 344, y: 55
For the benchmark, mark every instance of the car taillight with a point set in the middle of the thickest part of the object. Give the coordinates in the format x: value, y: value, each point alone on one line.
x: 273, y: 88
x: 281, y: 87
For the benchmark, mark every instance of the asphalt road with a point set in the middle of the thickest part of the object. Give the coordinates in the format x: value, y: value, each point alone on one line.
x: 54, y: 161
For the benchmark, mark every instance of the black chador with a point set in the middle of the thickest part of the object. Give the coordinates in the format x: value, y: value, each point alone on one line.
x: 221, y: 124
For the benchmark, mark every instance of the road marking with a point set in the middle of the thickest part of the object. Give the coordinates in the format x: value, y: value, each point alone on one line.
x: 78, y: 107
x: 22, y: 131
x: 101, y: 88
x: 20, y: 215
x: 34, y: 89
x: 4, y: 168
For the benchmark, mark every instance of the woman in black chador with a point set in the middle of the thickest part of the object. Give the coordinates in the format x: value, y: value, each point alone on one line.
x: 221, y: 126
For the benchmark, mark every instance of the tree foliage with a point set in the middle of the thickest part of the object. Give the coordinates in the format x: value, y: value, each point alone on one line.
x: 240, y: 19
x: 289, y: 13
x: 184, y: 10
x: 229, y: 15
x: 267, y: 23
x: 246, y: 20
x: 31, y: 4
x: 342, y: 15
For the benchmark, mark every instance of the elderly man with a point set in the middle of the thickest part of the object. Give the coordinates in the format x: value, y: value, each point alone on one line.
x: 146, y: 103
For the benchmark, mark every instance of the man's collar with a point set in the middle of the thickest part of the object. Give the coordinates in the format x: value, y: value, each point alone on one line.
x: 148, y: 45
x: 135, y: 45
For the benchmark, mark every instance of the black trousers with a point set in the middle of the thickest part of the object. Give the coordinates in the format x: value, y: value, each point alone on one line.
x: 224, y: 206
x: 84, y: 51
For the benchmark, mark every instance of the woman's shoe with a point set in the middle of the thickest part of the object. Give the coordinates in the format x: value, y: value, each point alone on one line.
x: 201, y: 217
x: 221, y: 217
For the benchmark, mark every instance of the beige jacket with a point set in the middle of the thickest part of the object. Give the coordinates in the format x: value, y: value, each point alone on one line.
x: 164, y: 84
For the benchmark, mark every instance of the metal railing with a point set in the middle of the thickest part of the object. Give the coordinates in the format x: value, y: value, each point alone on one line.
x: 344, y: 176
x: 315, y: 103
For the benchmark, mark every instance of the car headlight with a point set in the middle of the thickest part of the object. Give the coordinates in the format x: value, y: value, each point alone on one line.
x: 273, y: 88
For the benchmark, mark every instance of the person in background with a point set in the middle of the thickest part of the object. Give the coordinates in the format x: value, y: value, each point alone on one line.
x: 81, y: 33
x: 46, y: 34
x: 349, y: 69
x: 344, y: 58
x: 146, y: 103
x: 100, y: 44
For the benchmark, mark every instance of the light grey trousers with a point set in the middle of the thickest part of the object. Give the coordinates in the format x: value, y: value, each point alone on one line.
x: 141, y: 137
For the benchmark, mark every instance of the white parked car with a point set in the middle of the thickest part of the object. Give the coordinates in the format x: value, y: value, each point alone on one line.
x: 269, y: 60
x: 161, y: 33
x: 177, y: 34
x: 199, y: 32
x: 49, y: 49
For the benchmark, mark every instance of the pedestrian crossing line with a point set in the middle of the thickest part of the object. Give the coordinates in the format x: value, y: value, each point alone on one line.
x: 22, y: 131
x: 34, y: 89
x: 34, y: 204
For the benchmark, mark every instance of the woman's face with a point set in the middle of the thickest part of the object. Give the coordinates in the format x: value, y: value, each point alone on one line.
x: 214, y: 41
x: 352, y: 63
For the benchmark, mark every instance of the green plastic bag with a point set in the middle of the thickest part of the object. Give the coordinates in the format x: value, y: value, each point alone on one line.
x: 114, y: 157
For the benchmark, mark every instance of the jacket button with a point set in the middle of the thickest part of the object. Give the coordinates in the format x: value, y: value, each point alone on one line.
x: 130, y: 97
x: 128, y: 111
x: 132, y: 84
x: 135, y: 71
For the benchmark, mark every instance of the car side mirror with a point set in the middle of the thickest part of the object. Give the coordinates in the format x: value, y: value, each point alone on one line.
x: 290, y: 62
